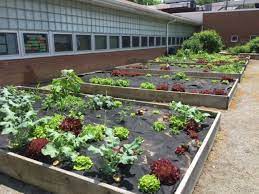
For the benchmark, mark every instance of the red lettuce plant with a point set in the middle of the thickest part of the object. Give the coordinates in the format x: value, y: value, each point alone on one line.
x: 178, y: 88
x: 33, y: 149
x: 165, y: 68
x: 125, y: 73
x: 180, y: 150
x: 219, y: 92
x: 165, y: 171
x: 192, y: 125
x: 201, y: 61
x: 72, y: 125
x: 192, y: 134
x: 162, y: 86
x: 230, y: 79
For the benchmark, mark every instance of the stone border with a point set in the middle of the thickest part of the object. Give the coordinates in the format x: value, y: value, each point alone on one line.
x: 61, y: 181
x: 213, y: 101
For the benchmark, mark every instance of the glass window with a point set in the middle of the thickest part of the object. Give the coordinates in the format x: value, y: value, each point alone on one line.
x: 151, y: 41
x: 100, y: 42
x: 8, y: 44
x: 144, y: 41
x: 164, y: 41
x: 158, y: 41
x: 83, y: 42
x: 234, y: 38
x: 35, y: 43
x: 114, y: 42
x: 169, y: 41
x: 63, y: 42
x: 173, y: 41
x: 253, y: 37
x: 126, y: 42
x: 177, y: 41
x: 135, y: 41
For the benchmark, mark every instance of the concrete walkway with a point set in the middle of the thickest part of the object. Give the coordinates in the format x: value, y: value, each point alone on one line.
x: 233, y: 164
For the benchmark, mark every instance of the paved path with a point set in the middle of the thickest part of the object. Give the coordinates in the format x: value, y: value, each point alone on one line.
x: 233, y: 164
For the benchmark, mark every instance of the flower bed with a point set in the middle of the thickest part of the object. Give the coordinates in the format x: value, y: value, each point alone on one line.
x: 118, y: 142
x: 163, y: 88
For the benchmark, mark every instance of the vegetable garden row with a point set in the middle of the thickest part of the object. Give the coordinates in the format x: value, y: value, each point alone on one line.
x: 64, y: 140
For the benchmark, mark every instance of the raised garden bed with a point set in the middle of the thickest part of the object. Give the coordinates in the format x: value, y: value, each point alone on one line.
x: 186, y: 147
x: 189, y: 90
x: 190, y: 69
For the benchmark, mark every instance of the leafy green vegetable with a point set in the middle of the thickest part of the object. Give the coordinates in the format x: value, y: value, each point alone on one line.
x: 110, y: 81
x: 159, y: 126
x: 180, y: 76
x: 149, y: 184
x: 177, y: 124
x: 147, y: 85
x: 121, y: 132
x: 98, y: 102
x: 97, y: 131
x: 112, y: 153
x: 83, y: 163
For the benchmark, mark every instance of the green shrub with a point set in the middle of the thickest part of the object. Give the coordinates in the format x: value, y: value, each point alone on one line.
x: 208, y: 41
x: 254, y: 45
x: 149, y: 184
x: 239, y: 49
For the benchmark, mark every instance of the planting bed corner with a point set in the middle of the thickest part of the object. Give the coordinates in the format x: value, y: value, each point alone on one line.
x: 133, y: 92
x: 59, y: 180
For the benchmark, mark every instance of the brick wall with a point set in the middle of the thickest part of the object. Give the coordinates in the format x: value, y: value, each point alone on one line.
x: 243, y: 23
x: 27, y: 71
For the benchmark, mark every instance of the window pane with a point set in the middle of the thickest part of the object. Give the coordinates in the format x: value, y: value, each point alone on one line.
x: 100, y: 42
x: 164, y: 41
x: 135, y: 41
x: 173, y: 41
x: 125, y: 41
x: 114, y: 42
x: 63, y: 42
x: 151, y: 41
x: 143, y: 41
x: 83, y: 42
x: 158, y: 41
x: 35, y: 43
x: 169, y: 40
x: 8, y: 44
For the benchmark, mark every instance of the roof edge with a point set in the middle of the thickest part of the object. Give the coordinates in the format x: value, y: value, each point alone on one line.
x: 137, y: 9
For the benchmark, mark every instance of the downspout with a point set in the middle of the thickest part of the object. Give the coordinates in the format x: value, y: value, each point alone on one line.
x: 167, y: 34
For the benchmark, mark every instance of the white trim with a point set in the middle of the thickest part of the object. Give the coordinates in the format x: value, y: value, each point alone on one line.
x: 3, y: 57
x: 22, y: 49
x: 57, y: 53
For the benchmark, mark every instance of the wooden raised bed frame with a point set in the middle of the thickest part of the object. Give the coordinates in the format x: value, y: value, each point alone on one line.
x: 212, y: 75
x: 207, y: 100
x: 61, y: 181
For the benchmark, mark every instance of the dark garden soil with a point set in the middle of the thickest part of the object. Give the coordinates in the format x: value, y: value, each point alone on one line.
x: 192, y: 85
x: 156, y: 144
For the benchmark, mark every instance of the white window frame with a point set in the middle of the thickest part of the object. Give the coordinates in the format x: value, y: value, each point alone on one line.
x: 83, y: 51
x: 34, y: 54
x: 107, y: 43
x: 13, y: 56
x: 57, y: 53
x: 232, y: 36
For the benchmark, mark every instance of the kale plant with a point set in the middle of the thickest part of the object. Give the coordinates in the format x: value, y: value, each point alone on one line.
x: 98, y: 102
x: 112, y: 153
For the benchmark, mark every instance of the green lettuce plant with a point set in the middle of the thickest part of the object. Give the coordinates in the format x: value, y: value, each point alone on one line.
x: 97, y: 131
x: 121, y: 132
x: 159, y: 126
x: 147, y: 85
x: 149, y: 184
x: 82, y: 163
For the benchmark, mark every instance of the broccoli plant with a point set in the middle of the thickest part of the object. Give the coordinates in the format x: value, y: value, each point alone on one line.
x: 149, y: 184
x: 98, y: 102
x: 112, y: 153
